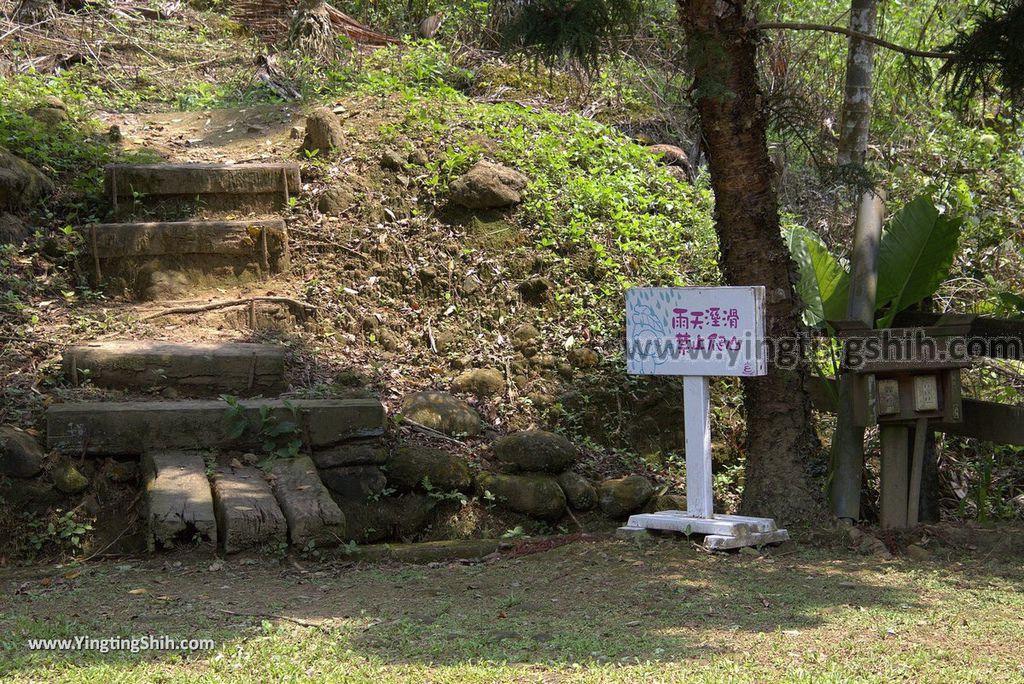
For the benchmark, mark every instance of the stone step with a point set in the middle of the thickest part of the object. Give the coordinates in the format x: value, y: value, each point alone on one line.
x: 179, y: 505
x: 230, y: 186
x: 130, y: 428
x: 248, y: 516
x: 191, y: 369
x: 312, y: 514
x: 162, y: 260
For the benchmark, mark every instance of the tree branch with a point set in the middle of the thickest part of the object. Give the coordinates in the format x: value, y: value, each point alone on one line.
x: 912, y: 52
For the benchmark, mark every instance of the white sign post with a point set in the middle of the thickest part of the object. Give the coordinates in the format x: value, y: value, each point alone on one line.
x: 698, y: 332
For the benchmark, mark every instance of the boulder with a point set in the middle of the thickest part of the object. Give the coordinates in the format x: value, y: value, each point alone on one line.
x: 666, y: 502
x: 579, y: 492
x: 535, y: 451
x: 392, y: 160
x: 51, y: 111
x: 20, y: 454
x: 535, y: 496
x: 445, y: 472
x: 489, y: 186
x: 69, y: 480
x: 525, y: 339
x: 670, y: 155
x: 537, y: 290
x: 482, y: 382
x: 353, y: 453
x: 388, y: 518
x: 442, y: 412
x: 618, y: 498
x: 334, y: 201
x: 419, y: 158
x: 21, y: 184
x: 12, y: 230
x: 584, y: 357
x: 123, y: 472
x: 323, y: 133
x: 918, y: 553
x: 679, y: 173
x: 29, y: 496
x: 357, y: 483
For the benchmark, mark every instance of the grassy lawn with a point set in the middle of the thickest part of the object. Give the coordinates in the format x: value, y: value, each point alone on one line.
x: 589, y: 611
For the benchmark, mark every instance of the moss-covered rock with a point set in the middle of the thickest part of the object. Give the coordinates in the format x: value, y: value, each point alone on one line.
x: 482, y: 382
x: 334, y: 201
x: 13, y: 230
x: 411, y: 466
x: 426, y: 552
x: 618, y: 498
x: 357, y: 483
x: 20, y: 454
x: 21, y: 184
x: 535, y: 496
x: 69, y: 480
x: 324, y: 135
x: 388, y: 518
x: 442, y: 412
x: 29, y: 496
x: 666, y: 502
x: 579, y: 492
x: 535, y: 451
x: 488, y: 186
x: 350, y: 454
x: 123, y: 472
x: 51, y: 111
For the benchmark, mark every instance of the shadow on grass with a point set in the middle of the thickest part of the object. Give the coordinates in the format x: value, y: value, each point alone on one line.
x: 582, y: 603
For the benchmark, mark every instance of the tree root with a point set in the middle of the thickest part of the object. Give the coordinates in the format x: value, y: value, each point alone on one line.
x: 302, y: 310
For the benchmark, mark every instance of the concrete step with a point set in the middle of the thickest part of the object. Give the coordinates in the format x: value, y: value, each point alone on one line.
x: 138, y: 427
x: 312, y: 514
x: 179, y: 505
x: 164, y: 260
x: 248, y: 516
x: 194, y: 370
x: 216, y: 186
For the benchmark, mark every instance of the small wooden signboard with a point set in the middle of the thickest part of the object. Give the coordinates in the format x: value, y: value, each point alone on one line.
x: 698, y: 332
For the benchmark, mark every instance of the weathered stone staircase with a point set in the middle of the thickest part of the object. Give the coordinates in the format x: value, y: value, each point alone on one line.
x: 189, y: 496
x: 159, y: 260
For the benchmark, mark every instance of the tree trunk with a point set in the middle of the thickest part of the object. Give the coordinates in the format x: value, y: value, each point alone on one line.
x: 33, y: 11
x: 848, y: 439
x: 783, y: 450
x: 312, y: 33
x: 855, y: 120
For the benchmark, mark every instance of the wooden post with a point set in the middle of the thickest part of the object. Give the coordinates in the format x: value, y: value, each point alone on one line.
x: 113, y: 187
x: 894, y: 476
x: 697, y: 407
x: 848, y: 439
x: 95, y: 256
x: 916, y: 472
x: 264, y: 254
